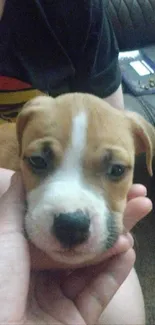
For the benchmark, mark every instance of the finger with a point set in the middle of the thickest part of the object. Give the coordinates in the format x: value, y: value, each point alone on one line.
x: 11, y: 205
x: 122, y: 245
x: 52, y: 301
x: 14, y: 257
x: 136, y: 209
x: 95, y: 297
x: 5, y: 179
x: 75, y: 282
x: 137, y: 190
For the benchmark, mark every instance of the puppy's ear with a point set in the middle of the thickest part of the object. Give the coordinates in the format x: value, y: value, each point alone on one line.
x: 28, y: 112
x: 144, y: 136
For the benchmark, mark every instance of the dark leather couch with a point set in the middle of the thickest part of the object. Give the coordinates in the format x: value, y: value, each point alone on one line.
x: 131, y: 19
x: 134, y: 26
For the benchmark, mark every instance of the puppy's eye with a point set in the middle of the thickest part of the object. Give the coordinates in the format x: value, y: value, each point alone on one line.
x: 116, y: 171
x: 37, y: 162
x: 40, y: 162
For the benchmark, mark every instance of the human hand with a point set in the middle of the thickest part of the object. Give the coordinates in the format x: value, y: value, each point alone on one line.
x: 57, y: 297
x: 14, y: 253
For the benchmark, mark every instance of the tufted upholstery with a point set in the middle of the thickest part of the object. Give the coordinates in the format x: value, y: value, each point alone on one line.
x: 130, y: 19
x: 134, y: 26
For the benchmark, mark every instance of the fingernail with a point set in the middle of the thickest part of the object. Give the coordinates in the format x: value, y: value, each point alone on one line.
x: 145, y: 194
x: 130, y: 238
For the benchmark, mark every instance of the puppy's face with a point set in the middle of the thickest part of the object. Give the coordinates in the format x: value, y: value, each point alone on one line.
x: 77, y: 160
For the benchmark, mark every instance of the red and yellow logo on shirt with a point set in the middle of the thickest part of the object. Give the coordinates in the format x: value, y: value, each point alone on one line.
x: 13, y: 94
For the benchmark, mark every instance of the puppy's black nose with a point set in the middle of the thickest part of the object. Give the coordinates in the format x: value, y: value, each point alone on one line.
x: 71, y: 229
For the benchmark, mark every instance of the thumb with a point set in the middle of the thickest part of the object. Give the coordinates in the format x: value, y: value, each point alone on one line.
x: 14, y: 254
x: 12, y: 206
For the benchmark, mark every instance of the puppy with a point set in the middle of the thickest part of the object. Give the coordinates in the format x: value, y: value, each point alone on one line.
x: 76, y: 154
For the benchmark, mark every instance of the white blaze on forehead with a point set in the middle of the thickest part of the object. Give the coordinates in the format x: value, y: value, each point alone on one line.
x: 79, y: 132
x: 75, y: 151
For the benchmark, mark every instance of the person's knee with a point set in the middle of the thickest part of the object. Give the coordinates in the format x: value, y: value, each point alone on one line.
x: 127, y: 306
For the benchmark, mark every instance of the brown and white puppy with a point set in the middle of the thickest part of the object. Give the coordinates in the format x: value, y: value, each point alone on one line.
x: 76, y: 154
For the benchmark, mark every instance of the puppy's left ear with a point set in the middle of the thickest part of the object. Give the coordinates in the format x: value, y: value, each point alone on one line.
x: 144, y: 136
x: 34, y: 106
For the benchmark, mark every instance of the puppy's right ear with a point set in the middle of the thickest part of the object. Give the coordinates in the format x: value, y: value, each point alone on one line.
x: 28, y: 112
x: 144, y: 136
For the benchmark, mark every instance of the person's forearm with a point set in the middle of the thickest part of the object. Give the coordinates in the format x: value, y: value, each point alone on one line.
x: 116, y: 99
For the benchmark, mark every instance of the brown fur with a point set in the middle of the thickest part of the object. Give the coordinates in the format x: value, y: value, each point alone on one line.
x: 47, y: 119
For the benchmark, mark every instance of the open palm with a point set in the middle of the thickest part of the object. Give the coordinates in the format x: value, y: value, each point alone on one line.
x: 57, y: 297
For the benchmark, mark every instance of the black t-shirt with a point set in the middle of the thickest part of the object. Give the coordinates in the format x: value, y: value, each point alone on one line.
x: 59, y: 46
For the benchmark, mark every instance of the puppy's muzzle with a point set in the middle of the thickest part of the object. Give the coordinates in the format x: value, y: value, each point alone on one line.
x: 71, y: 229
